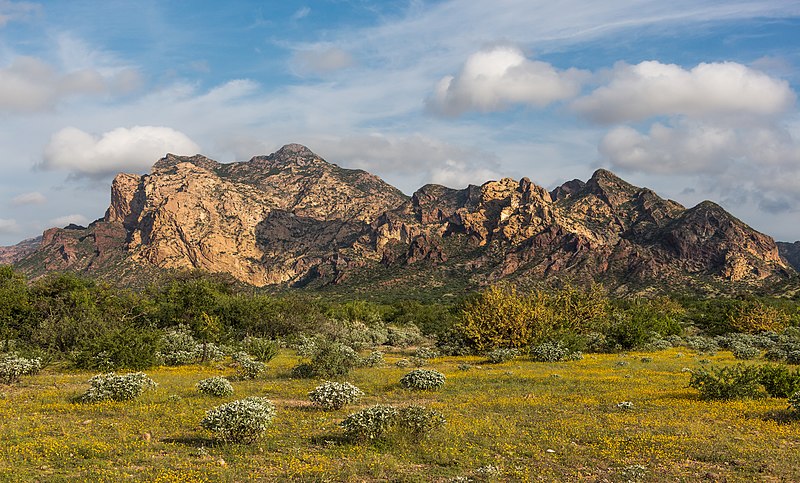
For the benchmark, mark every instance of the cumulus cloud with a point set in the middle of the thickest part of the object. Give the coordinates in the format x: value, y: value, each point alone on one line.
x: 28, y: 84
x: 456, y: 174
x: 33, y: 198
x: 69, y: 220
x: 709, y: 90
x: 322, y: 61
x: 8, y: 226
x: 497, y: 77
x: 123, y: 149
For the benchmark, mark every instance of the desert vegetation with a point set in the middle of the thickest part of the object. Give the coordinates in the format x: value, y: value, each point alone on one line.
x: 195, y: 380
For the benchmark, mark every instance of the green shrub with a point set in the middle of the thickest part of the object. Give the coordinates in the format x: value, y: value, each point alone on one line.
x: 423, y: 379
x: 369, y: 424
x: 553, y: 352
x: 731, y: 382
x: 13, y: 367
x: 113, y: 387
x: 242, y: 421
x: 331, y: 359
x: 498, y: 356
x: 215, y: 386
x: 303, y: 371
x: 262, y: 350
x: 246, y: 367
x: 127, y: 347
x: 335, y: 395
x: 419, y: 421
x: 778, y: 380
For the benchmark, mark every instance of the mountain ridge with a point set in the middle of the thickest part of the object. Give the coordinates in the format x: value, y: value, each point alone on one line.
x: 293, y: 219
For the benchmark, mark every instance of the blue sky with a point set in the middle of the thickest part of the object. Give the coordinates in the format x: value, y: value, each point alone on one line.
x: 696, y: 100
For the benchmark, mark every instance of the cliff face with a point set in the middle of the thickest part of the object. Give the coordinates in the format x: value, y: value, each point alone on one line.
x: 791, y: 253
x: 14, y: 253
x: 292, y: 218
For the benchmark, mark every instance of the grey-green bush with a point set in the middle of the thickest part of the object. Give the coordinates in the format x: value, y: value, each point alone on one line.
x: 242, y: 421
x: 217, y: 386
x: 553, y: 352
x: 501, y: 355
x: 369, y: 424
x: 113, y: 387
x: 423, y: 379
x: 419, y: 421
x: 334, y: 395
x: 246, y: 367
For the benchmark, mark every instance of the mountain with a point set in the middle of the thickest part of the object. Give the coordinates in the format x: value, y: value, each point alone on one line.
x: 791, y: 253
x: 293, y: 219
x: 10, y: 255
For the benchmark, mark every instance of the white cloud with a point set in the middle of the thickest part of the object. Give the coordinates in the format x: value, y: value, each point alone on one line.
x: 123, y: 149
x: 495, y: 78
x: 10, y: 11
x: 709, y: 90
x: 28, y: 84
x: 65, y: 220
x: 32, y: 198
x: 456, y: 174
x: 323, y: 60
x: 9, y: 227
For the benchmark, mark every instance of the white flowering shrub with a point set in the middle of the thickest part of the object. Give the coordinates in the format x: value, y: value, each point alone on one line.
x: 247, y: 367
x: 242, y: 421
x: 369, y: 424
x: 403, y: 363
x: 554, y: 352
x: 498, y: 356
x: 423, y: 379
x: 426, y: 353
x: 374, y: 359
x: 334, y: 395
x: 419, y: 421
x: 215, y: 386
x: 403, y: 336
x: 13, y: 367
x: 794, y: 402
x: 179, y: 347
x: 744, y: 351
x: 114, y: 387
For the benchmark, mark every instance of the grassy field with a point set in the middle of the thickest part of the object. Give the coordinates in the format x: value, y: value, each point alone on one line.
x: 531, y: 421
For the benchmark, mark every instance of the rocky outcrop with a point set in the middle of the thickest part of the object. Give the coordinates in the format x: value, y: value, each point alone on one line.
x: 292, y: 218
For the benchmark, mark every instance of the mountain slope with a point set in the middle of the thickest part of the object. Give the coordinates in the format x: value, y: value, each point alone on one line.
x: 292, y: 218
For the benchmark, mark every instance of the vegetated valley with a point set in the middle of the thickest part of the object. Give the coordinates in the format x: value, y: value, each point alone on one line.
x: 351, y: 333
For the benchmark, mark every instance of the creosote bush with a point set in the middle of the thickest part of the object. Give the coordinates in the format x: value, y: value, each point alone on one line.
x: 731, y: 382
x: 113, y: 387
x: 778, y: 380
x: 215, y: 386
x: 262, y: 350
x: 423, y: 379
x: 242, y: 421
x: 334, y: 395
x: 13, y: 367
x: 369, y: 424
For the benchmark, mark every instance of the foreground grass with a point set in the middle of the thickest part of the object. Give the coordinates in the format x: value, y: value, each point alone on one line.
x: 532, y: 421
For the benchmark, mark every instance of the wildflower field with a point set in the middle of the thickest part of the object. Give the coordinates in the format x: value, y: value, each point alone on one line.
x: 607, y: 417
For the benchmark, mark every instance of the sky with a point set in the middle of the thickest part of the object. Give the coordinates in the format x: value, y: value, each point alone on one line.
x: 694, y: 99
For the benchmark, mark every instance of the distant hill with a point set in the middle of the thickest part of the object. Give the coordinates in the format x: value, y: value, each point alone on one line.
x: 293, y: 219
x: 791, y: 253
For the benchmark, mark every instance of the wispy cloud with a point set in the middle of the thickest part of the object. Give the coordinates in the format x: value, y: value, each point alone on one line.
x: 32, y: 198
